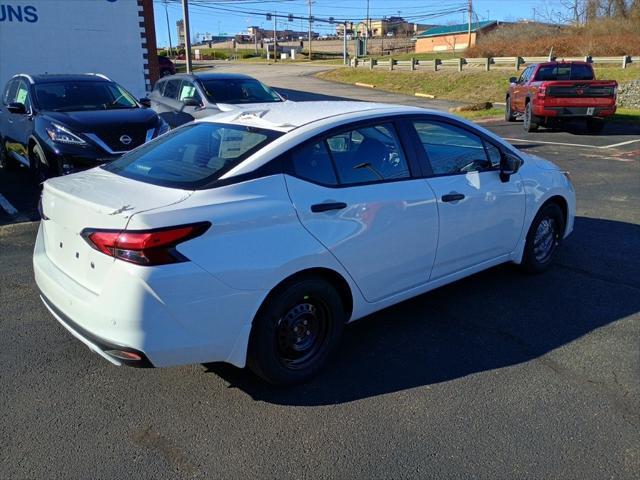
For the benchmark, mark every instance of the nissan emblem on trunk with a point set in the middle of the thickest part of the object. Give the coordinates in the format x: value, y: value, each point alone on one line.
x: 125, y: 139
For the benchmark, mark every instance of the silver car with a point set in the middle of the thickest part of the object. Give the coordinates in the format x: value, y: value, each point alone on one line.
x: 179, y: 99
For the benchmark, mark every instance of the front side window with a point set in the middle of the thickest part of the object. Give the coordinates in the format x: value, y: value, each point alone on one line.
x: 368, y: 154
x: 188, y: 91
x: 22, y: 95
x: 82, y: 96
x: 452, y: 149
x: 238, y: 91
x: 192, y: 156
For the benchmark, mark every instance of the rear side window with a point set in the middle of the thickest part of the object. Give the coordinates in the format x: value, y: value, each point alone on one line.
x: 192, y: 156
x: 312, y: 162
x: 171, y: 89
x: 159, y: 87
x: 10, y: 92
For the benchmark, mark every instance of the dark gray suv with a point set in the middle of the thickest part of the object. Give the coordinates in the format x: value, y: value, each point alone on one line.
x: 181, y: 98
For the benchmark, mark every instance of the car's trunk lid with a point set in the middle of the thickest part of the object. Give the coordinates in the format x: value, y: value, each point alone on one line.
x: 95, y: 199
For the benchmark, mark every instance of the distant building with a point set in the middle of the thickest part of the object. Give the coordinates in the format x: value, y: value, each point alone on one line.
x: 384, y: 27
x: 180, y: 30
x: 265, y: 34
x: 448, y: 38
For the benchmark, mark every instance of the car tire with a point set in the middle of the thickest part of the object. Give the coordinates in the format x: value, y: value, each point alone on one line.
x: 595, y: 125
x: 296, y: 331
x: 43, y: 167
x: 543, y: 239
x: 508, y: 112
x: 530, y: 121
x: 6, y: 162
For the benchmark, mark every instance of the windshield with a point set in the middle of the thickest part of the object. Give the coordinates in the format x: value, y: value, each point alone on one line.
x: 82, y: 95
x: 192, y: 156
x: 564, y: 71
x: 238, y: 90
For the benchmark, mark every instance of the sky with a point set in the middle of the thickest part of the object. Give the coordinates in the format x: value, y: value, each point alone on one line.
x: 234, y: 16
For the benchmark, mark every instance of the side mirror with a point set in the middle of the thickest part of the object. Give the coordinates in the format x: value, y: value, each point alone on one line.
x: 509, y: 165
x: 191, y: 102
x: 145, y: 102
x: 513, y: 80
x: 17, y: 108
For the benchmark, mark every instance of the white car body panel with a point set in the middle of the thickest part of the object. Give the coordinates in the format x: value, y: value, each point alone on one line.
x: 395, y: 240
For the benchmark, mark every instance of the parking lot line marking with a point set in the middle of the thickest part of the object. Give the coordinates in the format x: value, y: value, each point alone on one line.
x: 552, y: 143
x: 621, y: 144
x: 600, y: 147
x: 6, y: 206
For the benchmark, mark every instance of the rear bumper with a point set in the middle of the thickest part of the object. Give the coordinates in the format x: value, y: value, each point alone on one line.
x: 99, y: 345
x: 567, y: 112
x: 166, y: 317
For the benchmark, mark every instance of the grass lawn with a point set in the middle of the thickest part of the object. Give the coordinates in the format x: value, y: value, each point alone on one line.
x: 627, y: 115
x: 465, y: 86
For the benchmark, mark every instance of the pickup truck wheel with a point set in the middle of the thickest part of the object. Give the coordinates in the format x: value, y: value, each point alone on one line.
x: 508, y: 113
x: 595, y: 125
x: 530, y: 122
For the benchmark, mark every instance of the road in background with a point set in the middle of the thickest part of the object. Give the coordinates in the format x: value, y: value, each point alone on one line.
x: 501, y: 375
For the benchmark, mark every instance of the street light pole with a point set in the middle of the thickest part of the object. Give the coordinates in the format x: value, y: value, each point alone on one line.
x: 187, y: 34
x: 166, y: 11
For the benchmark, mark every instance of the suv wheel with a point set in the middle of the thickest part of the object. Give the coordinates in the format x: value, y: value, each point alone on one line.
x: 508, y: 113
x: 5, y: 161
x: 530, y: 122
x: 296, y: 331
x: 43, y: 167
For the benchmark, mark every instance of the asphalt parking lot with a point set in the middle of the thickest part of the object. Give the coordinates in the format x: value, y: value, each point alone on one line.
x: 501, y: 375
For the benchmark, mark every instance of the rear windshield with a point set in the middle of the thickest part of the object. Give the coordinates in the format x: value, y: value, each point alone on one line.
x: 238, y: 90
x: 192, y: 156
x: 564, y: 71
x: 79, y: 96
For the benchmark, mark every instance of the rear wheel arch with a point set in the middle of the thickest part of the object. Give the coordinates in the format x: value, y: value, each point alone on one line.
x: 332, y: 277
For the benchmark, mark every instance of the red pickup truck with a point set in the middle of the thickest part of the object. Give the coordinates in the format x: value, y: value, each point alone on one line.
x: 548, y: 92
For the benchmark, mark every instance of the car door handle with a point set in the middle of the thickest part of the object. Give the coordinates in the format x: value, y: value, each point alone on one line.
x: 452, y: 197
x: 325, y: 207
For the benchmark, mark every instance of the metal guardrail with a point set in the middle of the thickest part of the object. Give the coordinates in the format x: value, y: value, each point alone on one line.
x: 485, y: 62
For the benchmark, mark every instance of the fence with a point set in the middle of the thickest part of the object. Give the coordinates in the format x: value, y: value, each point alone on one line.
x: 485, y: 63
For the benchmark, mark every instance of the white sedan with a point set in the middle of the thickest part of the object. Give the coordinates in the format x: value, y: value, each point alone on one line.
x: 252, y: 238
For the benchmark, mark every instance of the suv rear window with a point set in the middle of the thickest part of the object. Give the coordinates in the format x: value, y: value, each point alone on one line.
x: 193, y: 156
x: 564, y: 71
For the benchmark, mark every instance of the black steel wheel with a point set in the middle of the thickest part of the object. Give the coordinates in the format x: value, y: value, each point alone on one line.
x: 296, y: 331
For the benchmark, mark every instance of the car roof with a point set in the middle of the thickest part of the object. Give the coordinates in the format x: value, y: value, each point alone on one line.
x: 60, y: 77
x: 211, y: 76
x: 286, y: 116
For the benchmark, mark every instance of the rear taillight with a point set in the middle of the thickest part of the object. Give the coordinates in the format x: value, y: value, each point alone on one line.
x: 542, y: 92
x: 144, y: 247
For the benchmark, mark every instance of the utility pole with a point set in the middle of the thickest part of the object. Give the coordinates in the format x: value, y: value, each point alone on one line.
x: 166, y: 11
x: 344, y: 44
x: 187, y: 34
x: 470, y: 14
x: 275, y: 36
x: 310, y: 3
x: 368, y: 33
